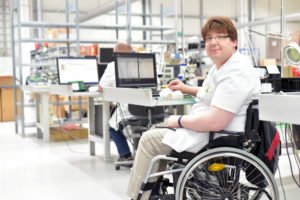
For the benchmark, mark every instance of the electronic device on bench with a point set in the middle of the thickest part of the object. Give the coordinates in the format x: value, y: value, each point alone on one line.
x: 136, y: 70
x: 80, y: 72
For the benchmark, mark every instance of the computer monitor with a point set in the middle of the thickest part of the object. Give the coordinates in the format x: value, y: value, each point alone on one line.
x: 135, y: 70
x: 71, y: 69
x: 106, y: 55
x: 101, y: 70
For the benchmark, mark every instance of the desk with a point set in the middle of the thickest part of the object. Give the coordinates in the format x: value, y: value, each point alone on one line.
x: 141, y: 97
x: 280, y: 107
x: 42, y: 97
x: 43, y: 129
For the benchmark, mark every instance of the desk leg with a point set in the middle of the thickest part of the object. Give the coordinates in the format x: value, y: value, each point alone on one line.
x: 105, y: 126
x: 174, y: 110
x: 45, y: 118
x: 38, y: 115
x: 91, y: 120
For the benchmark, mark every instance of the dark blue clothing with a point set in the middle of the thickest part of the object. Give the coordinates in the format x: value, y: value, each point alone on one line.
x: 120, y: 141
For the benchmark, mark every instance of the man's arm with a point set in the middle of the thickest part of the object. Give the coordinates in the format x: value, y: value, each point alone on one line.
x: 216, y: 119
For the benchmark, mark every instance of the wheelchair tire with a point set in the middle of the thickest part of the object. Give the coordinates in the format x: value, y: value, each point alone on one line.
x: 220, y: 173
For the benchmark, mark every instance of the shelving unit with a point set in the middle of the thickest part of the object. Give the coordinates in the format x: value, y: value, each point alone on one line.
x: 20, y: 41
x: 4, y: 27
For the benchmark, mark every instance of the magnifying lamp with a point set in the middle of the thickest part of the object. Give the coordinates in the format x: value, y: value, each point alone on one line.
x: 291, y: 53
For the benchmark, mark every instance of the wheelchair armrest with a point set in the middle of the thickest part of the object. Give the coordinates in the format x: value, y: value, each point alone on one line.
x: 183, y: 155
x: 228, y: 132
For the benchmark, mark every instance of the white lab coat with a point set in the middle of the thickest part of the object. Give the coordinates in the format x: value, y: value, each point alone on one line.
x: 231, y: 88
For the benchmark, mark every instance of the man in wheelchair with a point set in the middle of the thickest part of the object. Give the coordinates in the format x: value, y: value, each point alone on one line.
x: 230, y: 86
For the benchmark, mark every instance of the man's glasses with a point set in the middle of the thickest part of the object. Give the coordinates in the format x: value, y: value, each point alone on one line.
x: 218, y: 38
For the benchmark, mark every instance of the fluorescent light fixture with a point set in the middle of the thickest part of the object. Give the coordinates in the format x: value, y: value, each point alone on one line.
x: 291, y: 53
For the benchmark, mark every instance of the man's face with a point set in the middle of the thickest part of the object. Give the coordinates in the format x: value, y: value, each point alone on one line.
x: 219, y: 47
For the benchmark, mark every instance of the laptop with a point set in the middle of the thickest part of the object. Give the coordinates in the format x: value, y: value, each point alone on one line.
x: 136, y: 70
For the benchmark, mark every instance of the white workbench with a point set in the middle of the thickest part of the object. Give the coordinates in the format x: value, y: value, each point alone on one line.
x: 124, y: 95
x: 42, y: 97
x: 141, y: 97
x: 280, y: 107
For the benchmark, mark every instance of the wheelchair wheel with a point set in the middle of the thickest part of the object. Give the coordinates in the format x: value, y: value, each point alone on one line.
x: 227, y: 174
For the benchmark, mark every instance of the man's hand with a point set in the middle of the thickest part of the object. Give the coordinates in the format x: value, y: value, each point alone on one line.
x: 186, y: 89
x: 177, y: 85
x: 100, y: 88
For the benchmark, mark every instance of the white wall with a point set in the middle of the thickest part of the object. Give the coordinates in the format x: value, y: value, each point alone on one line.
x: 6, y: 66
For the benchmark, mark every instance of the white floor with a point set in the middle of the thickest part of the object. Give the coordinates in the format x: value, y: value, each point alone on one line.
x: 33, y: 170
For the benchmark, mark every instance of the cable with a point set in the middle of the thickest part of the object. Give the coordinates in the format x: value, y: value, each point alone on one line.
x: 66, y: 141
x: 294, y: 148
x: 291, y: 168
x: 125, y: 128
x: 283, y: 191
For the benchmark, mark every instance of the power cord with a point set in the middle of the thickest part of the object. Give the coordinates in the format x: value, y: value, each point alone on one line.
x: 280, y: 178
x: 291, y: 166
x: 65, y: 139
x: 128, y: 136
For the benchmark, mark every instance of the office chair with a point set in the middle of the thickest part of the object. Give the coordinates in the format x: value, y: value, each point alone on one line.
x: 142, y: 120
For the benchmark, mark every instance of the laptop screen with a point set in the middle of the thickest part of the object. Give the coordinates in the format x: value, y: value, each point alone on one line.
x: 135, y: 70
x: 71, y: 69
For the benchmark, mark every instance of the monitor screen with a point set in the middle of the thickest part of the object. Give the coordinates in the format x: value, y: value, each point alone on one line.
x: 101, y: 70
x: 106, y: 55
x: 135, y: 70
x: 72, y: 69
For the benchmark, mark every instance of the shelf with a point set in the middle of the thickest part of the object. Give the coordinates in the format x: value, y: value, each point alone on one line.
x: 39, y: 65
x: 73, y: 121
x: 100, y: 27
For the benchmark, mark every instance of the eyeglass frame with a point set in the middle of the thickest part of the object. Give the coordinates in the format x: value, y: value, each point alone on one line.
x: 218, y: 38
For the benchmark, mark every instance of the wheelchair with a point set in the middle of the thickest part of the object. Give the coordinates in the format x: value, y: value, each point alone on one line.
x: 224, y: 169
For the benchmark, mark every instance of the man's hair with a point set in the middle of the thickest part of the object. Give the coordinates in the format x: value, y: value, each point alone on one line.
x: 122, y: 47
x: 220, y: 23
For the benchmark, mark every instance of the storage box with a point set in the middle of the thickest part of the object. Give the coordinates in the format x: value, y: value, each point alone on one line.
x: 6, y: 80
x: 62, y: 134
x: 57, y: 110
x: 7, y: 99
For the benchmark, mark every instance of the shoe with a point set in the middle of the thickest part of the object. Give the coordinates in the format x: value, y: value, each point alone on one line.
x: 120, y: 159
x: 125, y: 162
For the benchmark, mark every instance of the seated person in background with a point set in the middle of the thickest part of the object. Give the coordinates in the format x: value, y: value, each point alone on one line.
x: 231, y: 84
x: 108, y: 80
